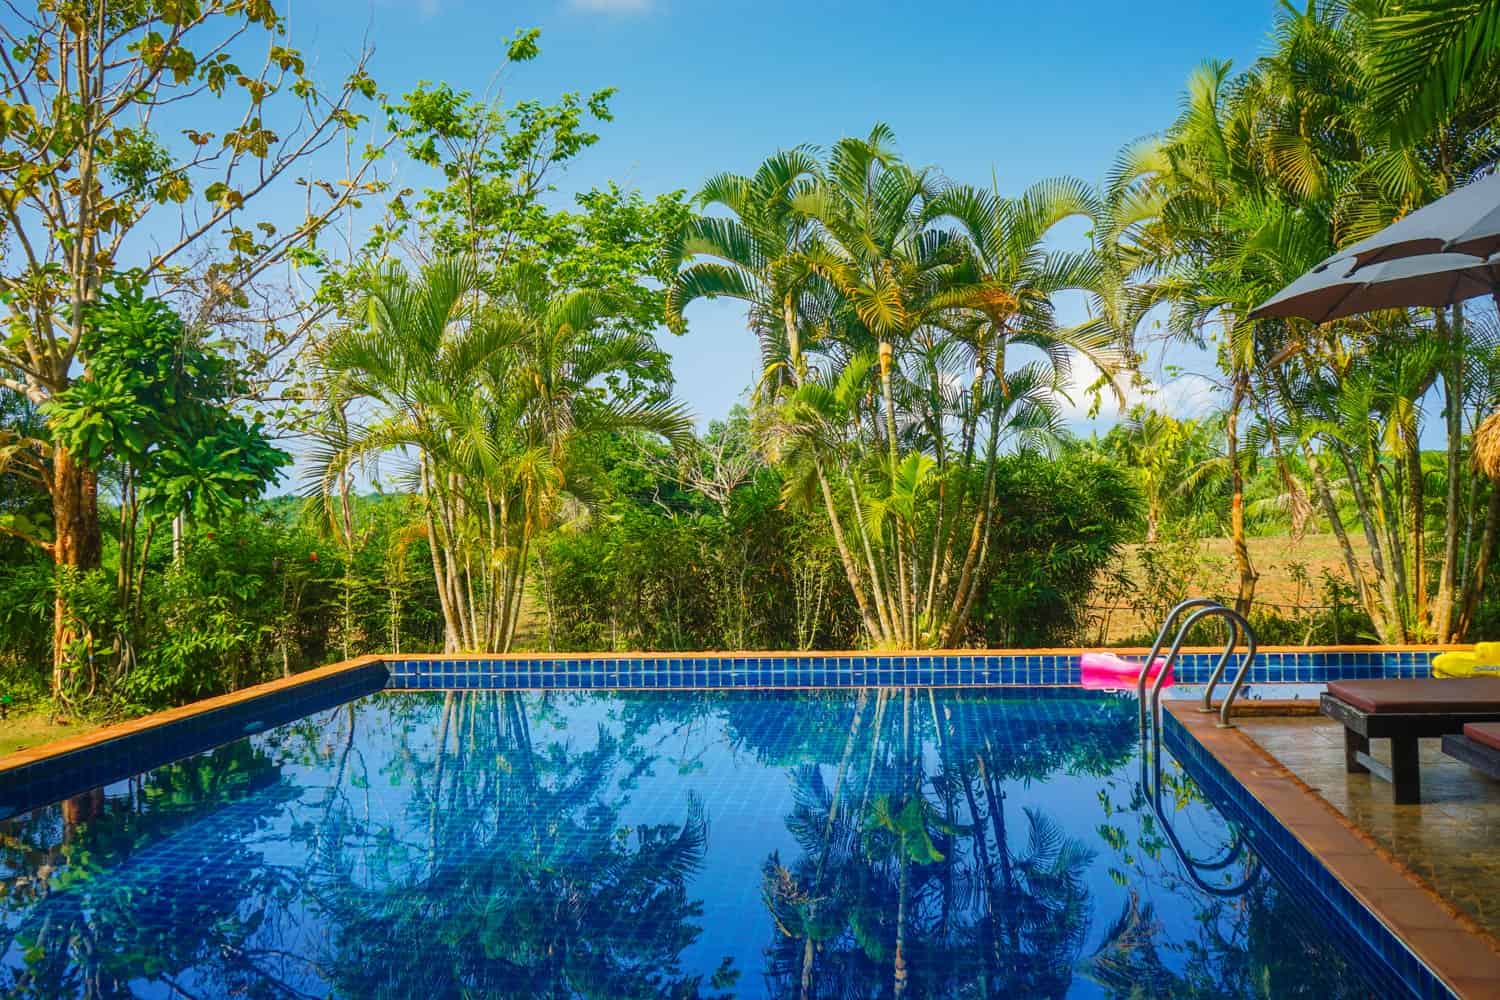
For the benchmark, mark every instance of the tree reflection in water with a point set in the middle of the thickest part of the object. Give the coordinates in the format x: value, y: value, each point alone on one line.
x: 80, y: 876
x: 870, y: 844
x: 911, y: 880
x: 527, y: 886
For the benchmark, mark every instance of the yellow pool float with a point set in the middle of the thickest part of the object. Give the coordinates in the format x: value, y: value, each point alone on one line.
x: 1484, y: 661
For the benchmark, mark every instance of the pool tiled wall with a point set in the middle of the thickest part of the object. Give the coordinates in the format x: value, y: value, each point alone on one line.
x: 183, y: 731
x: 708, y: 670
x: 55, y: 776
x: 1394, y: 968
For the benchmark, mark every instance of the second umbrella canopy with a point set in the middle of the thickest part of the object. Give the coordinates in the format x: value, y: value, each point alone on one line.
x: 1434, y: 279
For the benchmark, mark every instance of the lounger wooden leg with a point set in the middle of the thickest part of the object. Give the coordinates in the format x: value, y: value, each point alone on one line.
x: 1354, y: 745
x: 1405, y: 770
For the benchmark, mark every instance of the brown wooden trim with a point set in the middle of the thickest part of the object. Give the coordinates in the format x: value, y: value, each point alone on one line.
x: 1447, y: 940
x: 1257, y: 708
x: 1485, y: 760
x: 94, y: 737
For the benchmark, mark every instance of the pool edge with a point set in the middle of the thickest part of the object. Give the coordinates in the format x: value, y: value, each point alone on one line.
x: 305, y: 681
x: 1450, y: 944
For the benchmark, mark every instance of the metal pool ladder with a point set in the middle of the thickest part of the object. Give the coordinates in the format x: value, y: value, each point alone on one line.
x: 1151, y: 730
x: 1239, y: 629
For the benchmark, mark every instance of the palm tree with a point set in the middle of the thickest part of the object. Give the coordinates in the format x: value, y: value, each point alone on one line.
x: 1011, y: 296
x: 893, y: 275
x: 752, y: 256
x: 755, y: 255
x: 528, y: 881
x: 886, y: 303
x: 1194, y: 180
x: 1426, y: 56
x: 490, y: 384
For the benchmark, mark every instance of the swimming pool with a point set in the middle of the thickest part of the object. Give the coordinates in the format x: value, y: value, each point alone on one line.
x: 852, y: 842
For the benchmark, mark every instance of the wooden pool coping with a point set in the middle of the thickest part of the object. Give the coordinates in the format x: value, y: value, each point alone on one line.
x: 118, y: 730
x: 1446, y: 940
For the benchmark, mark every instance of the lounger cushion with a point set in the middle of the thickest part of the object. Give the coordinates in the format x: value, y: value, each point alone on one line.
x: 1484, y: 733
x: 1438, y: 696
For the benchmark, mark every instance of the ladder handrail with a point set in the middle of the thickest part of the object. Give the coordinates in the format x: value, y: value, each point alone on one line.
x: 1237, y: 626
x: 1151, y: 742
x: 1240, y: 676
x: 1230, y: 644
x: 1239, y: 629
x: 1161, y: 637
x: 1214, y: 609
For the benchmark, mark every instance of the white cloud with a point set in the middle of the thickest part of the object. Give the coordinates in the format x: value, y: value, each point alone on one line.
x: 1187, y: 395
x: 613, y: 6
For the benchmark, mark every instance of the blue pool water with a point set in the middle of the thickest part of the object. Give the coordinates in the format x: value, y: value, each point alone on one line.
x: 845, y: 843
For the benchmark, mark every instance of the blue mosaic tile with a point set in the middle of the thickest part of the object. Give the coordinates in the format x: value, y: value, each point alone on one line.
x: 47, y: 780
x: 872, y: 669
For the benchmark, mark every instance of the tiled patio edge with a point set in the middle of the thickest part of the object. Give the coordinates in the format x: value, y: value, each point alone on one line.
x: 46, y: 772
x: 1450, y: 944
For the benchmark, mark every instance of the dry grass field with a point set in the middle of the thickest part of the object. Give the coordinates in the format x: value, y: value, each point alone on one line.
x: 1291, y: 578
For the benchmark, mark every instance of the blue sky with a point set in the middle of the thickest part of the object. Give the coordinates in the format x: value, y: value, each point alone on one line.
x: 1026, y: 90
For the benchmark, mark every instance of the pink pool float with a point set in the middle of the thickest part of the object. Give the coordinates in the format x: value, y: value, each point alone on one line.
x: 1108, y: 672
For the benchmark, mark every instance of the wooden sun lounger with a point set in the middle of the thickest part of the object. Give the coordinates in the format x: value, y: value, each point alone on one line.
x: 1404, y: 711
x: 1478, y: 746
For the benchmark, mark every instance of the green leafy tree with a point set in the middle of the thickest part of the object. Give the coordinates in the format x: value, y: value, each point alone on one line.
x: 869, y: 309
x: 1261, y: 176
x: 156, y: 404
x: 88, y: 172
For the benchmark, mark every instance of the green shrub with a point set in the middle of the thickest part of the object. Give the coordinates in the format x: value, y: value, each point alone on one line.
x: 1063, y: 522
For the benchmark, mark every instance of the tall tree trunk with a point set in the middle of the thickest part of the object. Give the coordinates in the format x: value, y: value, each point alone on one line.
x: 1416, y: 504
x: 76, y: 545
x: 1390, y: 521
x: 1442, y: 604
x: 1475, y: 585
x: 439, y: 577
x: 1385, y: 579
x: 845, y: 556
x: 961, y: 602
x: 884, y: 613
x: 1246, y: 595
x: 1368, y: 599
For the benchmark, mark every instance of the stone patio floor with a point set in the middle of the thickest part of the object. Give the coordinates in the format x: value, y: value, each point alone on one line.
x: 1451, y: 840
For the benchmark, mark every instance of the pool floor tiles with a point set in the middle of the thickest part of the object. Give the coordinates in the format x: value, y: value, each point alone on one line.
x: 1451, y: 840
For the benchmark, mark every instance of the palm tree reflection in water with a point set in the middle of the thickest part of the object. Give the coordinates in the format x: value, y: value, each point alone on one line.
x: 530, y: 885
x: 910, y: 882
